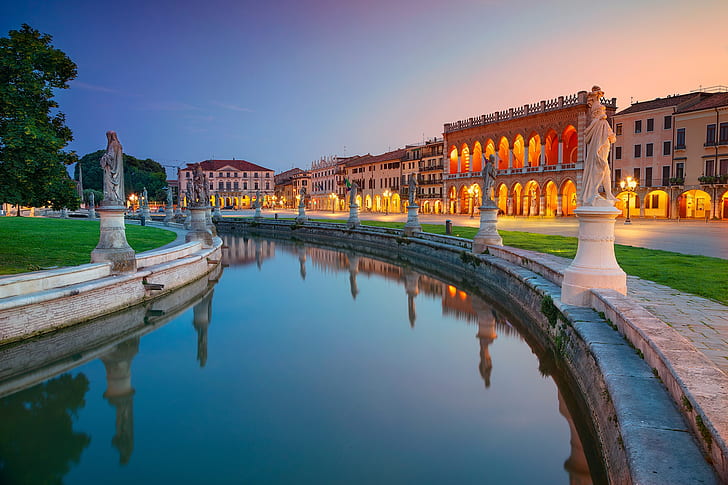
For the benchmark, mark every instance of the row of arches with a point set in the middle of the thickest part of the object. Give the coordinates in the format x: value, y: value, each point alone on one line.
x: 519, y: 152
x: 691, y: 204
x: 529, y: 199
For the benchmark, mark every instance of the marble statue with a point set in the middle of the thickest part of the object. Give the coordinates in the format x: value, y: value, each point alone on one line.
x: 489, y: 174
x: 91, y: 200
x: 258, y: 202
x: 145, y: 197
x: 199, y: 187
x: 352, y: 195
x: 302, y: 194
x: 412, y: 189
x: 169, y: 196
x: 598, y: 138
x: 112, y: 163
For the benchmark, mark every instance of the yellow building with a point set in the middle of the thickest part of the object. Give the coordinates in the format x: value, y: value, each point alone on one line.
x: 233, y: 183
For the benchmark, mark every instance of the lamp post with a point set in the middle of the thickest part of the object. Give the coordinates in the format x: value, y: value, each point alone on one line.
x: 333, y: 198
x: 629, y: 185
x: 386, y: 195
x: 471, y: 192
x: 132, y: 200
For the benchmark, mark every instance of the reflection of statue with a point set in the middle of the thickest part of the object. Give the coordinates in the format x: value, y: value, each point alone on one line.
x: 489, y: 174
x: 412, y: 189
x: 598, y: 138
x: 112, y: 162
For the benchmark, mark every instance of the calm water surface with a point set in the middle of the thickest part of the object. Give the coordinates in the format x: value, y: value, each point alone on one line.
x: 301, y: 365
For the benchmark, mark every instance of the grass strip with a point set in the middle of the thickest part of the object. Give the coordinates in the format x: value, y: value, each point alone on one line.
x: 34, y: 243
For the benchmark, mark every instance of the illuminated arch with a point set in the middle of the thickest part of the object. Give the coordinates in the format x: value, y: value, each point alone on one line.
x: 358, y: 200
x: 452, y: 200
x: 464, y: 159
x: 489, y: 149
x: 502, y: 198
x: 656, y: 204
x: 503, y: 151
x: 551, y: 202
x: 453, y: 159
x: 368, y: 202
x: 464, y: 199
x: 694, y: 204
x: 517, y: 199
x: 518, y: 151
x: 723, y: 207
x: 477, y: 165
x: 570, y: 141
x: 568, y: 197
x: 395, y: 203
x: 551, y: 148
x: 534, y: 150
x: 531, y: 199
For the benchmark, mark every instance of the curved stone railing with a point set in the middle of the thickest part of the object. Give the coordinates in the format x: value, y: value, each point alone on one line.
x: 643, y: 425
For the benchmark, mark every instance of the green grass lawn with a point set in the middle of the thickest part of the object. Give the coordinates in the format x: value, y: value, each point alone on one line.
x: 33, y: 243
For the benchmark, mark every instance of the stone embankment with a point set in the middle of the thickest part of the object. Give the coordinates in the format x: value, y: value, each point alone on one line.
x: 655, y: 402
x: 40, y: 302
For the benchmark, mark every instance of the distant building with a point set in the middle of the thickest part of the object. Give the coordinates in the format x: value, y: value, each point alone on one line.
x: 328, y: 190
x: 233, y: 183
x: 378, y: 177
x: 426, y: 162
x: 677, y: 149
x: 539, y: 152
x: 289, y: 185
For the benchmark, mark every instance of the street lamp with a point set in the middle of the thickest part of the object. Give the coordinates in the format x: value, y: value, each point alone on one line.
x: 629, y: 185
x: 386, y: 195
x: 333, y: 198
x: 471, y: 192
x: 132, y: 200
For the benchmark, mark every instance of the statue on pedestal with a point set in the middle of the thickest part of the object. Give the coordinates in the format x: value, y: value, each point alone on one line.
x: 598, y: 138
x: 112, y: 163
x: 412, y: 189
x: 169, y: 196
x: 197, y: 188
x: 302, y: 200
x: 145, y: 197
x: 489, y: 174
x: 91, y: 200
x: 352, y: 195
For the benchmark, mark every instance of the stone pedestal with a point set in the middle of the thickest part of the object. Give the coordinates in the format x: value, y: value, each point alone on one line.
x: 257, y: 212
x: 353, y: 220
x: 216, y: 214
x: 301, y: 215
x: 64, y: 213
x: 168, y: 214
x: 92, y: 213
x: 113, y: 246
x: 145, y: 213
x: 488, y: 233
x: 208, y: 220
x: 413, y: 222
x: 594, y: 265
x: 198, y: 227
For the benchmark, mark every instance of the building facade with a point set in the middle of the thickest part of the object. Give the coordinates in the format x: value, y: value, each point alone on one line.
x: 233, y: 184
x: 426, y: 162
x: 539, y: 156
x: 378, y: 177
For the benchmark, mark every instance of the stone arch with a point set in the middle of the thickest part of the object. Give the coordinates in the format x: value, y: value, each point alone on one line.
x: 517, y: 199
x: 551, y: 148
x: 464, y: 158
x: 502, y: 198
x: 518, y: 151
x: 504, y: 149
x: 464, y: 199
x: 477, y: 165
x: 723, y: 205
x: 570, y: 144
x: 358, y: 200
x: 656, y: 204
x: 452, y: 200
x: 438, y: 207
x: 568, y: 197
x: 534, y: 150
x: 693, y: 204
x: 368, y: 202
x: 551, y: 199
x: 453, y: 159
x: 489, y: 149
x: 395, y: 203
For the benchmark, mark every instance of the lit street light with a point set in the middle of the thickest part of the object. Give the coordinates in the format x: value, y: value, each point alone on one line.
x: 386, y: 195
x: 629, y: 185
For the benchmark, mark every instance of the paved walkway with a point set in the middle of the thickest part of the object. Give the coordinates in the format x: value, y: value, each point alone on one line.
x: 703, y: 322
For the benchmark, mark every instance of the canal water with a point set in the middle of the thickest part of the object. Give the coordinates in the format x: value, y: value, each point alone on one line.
x: 300, y: 365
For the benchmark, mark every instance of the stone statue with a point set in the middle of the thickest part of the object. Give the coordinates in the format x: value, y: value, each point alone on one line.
x: 489, y: 174
x: 258, y: 202
x: 412, y: 189
x: 352, y: 195
x: 112, y: 163
x: 199, y: 187
x: 169, y: 196
x: 598, y: 138
x: 145, y: 197
x: 91, y: 200
x: 302, y: 194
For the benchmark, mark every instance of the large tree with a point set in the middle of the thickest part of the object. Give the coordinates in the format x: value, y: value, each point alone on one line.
x: 138, y: 174
x: 33, y: 132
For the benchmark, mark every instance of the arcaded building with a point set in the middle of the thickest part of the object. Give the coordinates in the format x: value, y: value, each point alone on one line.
x: 232, y: 183
x: 539, y: 155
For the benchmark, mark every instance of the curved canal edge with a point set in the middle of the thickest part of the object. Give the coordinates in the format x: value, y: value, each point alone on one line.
x: 35, y: 303
x: 655, y: 423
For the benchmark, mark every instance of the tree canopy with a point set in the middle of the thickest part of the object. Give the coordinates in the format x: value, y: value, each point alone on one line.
x: 33, y: 132
x: 138, y: 174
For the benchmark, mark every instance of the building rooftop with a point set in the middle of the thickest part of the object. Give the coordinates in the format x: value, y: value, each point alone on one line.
x: 708, y: 101
x: 245, y: 166
x: 678, y: 100
x: 367, y: 159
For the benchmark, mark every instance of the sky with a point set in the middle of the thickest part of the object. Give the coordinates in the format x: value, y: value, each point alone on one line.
x: 282, y: 83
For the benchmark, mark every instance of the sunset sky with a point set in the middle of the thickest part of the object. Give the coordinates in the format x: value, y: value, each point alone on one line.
x: 283, y: 82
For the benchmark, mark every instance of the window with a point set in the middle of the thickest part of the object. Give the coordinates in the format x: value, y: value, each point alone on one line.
x: 245, y: 175
x: 255, y: 175
x: 667, y: 123
x: 637, y: 151
x: 618, y: 128
x: 267, y: 186
x: 187, y: 175
x: 648, y: 177
x: 267, y: 175
x: 723, y: 166
x: 723, y: 134
x: 648, y: 149
x: 650, y: 124
x: 638, y: 126
x: 256, y: 186
x: 235, y: 185
x: 617, y: 153
x: 710, y: 168
x: 212, y: 174
x: 680, y: 139
x: 680, y: 170
x: 220, y: 185
x: 655, y: 201
x: 666, y: 175
x: 666, y: 147
x: 636, y: 174
x: 710, y: 135
x: 618, y: 175
x: 245, y: 185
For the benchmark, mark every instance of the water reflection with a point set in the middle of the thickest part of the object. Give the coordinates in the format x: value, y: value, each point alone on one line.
x: 120, y: 394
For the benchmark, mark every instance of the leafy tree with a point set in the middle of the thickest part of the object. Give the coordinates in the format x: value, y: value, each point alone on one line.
x: 32, y: 132
x: 138, y: 174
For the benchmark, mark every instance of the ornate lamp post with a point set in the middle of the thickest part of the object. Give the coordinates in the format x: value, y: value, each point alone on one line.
x: 629, y: 185
x: 132, y: 200
x: 386, y: 195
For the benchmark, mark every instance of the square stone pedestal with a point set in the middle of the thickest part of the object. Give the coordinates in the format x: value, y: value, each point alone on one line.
x: 113, y: 246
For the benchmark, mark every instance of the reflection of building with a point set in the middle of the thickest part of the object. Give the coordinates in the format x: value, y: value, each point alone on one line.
x: 676, y: 148
x: 233, y: 183
x: 539, y: 154
x: 120, y: 394
x: 237, y: 250
x: 576, y: 465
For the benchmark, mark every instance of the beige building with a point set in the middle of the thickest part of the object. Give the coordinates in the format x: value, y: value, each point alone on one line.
x: 378, y: 177
x: 232, y: 183
x: 288, y: 187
